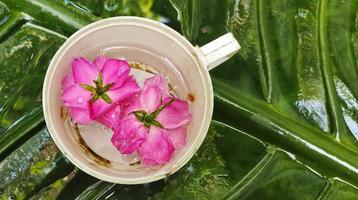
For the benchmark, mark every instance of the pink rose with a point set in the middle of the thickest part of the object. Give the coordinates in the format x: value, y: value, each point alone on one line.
x: 154, y: 123
x: 91, y: 89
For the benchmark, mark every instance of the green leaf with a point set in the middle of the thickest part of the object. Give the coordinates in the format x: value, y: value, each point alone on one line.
x: 286, y: 108
x: 30, y: 167
x: 24, y: 58
x: 52, y: 191
x: 56, y: 15
x: 98, y: 190
x: 288, y: 86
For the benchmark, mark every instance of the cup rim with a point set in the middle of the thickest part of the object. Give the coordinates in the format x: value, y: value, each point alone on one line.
x: 162, y: 29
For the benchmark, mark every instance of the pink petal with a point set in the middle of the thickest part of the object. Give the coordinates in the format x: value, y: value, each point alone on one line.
x: 100, y: 61
x: 98, y: 107
x: 129, y: 135
x: 84, y: 71
x: 177, y: 136
x: 175, y: 115
x: 80, y: 116
x: 158, y: 149
x: 159, y: 81
x: 150, y: 98
x: 67, y: 81
x: 76, y: 96
x: 131, y: 104
x: 115, y: 71
x: 126, y: 90
x: 111, y: 118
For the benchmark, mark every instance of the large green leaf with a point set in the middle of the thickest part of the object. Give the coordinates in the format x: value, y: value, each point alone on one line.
x: 34, y: 165
x: 286, y: 108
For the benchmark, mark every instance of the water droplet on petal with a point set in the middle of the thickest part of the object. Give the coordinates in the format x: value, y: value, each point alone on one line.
x: 113, y: 115
x: 117, y: 109
x: 80, y: 100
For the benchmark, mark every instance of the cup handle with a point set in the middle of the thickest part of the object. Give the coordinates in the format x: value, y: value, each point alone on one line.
x: 219, y: 50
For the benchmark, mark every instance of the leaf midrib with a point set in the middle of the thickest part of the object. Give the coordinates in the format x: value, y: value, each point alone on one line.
x: 302, y: 139
x: 337, y: 124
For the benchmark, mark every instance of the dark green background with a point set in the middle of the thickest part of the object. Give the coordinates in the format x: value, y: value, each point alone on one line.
x: 286, y: 110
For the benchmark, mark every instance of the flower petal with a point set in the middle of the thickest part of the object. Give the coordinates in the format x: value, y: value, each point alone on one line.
x: 159, y: 81
x: 84, y: 71
x: 100, y: 61
x: 175, y: 115
x: 115, y: 71
x: 150, y: 98
x: 80, y: 116
x: 98, y: 107
x: 158, y: 149
x: 126, y: 90
x: 67, y: 81
x: 111, y: 118
x: 177, y: 136
x: 129, y: 135
x: 131, y: 104
x: 76, y: 96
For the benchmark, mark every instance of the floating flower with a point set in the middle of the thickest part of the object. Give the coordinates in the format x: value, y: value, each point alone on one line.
x: 111, y: 118
x: 91, y: 89
x: 154, y: 123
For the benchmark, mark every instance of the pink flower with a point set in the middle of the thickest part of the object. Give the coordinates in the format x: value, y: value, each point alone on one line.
x: 111, y: 118
x: 91, y: 89
x: 154, y: 123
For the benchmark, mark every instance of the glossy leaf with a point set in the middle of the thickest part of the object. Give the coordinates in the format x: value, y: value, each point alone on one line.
x: 54, y: 190
x: 31, y: 167
x: 286, y: 108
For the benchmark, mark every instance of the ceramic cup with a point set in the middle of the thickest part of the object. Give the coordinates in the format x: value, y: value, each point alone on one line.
x: 155, y: 48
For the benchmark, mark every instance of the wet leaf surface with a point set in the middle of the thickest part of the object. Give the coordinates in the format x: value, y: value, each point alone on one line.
x: 286, y: 108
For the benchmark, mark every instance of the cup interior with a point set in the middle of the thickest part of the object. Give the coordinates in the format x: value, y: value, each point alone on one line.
x: 151, y: 46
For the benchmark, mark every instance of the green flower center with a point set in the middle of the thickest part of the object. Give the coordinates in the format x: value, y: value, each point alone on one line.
x: 149, y: 119
x: 100, y: 90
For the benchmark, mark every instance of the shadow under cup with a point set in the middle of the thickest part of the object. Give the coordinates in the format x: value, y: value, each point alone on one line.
x: 142, y: 41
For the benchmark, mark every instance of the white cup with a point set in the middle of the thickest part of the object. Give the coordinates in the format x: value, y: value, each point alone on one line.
x: 144, y: 41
